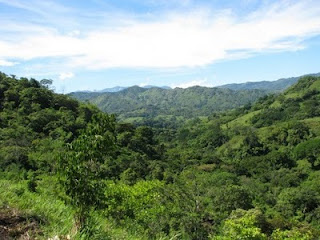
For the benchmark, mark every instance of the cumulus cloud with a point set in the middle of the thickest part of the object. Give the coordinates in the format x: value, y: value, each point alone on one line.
x: 66, y: 75
x: 199, y: 82
x: 176, y: 40
x: 5, y: 63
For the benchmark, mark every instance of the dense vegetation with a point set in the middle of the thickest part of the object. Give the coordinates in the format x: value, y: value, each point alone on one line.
x: 168, y: 107
x: 248, y: 173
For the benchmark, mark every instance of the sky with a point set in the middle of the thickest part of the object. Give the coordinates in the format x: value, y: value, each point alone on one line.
x: 97, y: 44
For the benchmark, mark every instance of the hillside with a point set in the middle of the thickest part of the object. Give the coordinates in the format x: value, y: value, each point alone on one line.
x: 268, y: 158
x: 71, y: 171
x: 141, y: 105
x: 271, y: 86
x: 39, y: 133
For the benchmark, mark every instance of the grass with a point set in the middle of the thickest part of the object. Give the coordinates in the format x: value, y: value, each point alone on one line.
x: 241, y: 121
x: 276, y: 104
x: 315, y: 85
x: 293, y: 95
x: 233, y: 143
x: 55, y: 217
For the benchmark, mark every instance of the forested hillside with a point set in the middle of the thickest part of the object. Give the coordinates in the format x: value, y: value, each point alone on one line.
x: 69, y: 170
x: 163, y: 107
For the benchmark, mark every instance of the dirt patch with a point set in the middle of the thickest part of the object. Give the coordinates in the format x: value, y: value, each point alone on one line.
x: 15, y: 225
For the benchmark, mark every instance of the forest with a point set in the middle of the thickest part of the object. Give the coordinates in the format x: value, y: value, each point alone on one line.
x: 70, y: 171
x: 168, y: 108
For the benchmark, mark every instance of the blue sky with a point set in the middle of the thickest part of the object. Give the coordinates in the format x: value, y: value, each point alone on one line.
x: 95, y: 44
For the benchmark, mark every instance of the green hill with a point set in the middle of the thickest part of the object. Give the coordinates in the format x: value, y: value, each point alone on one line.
x: 297, y: 106
x: 40, y: 131
x: 157, y: 105
x: 269, y: 153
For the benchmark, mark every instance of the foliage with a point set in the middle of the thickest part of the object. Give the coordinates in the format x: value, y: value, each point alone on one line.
x: 243, y: 225
x: 81, y: 167
x: 247, y: 173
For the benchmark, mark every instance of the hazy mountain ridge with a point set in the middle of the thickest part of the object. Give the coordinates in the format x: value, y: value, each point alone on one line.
x: 120, y: 88
x: 272, y: 86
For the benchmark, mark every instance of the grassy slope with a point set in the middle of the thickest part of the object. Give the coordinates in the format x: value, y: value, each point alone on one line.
x: 293, y: 92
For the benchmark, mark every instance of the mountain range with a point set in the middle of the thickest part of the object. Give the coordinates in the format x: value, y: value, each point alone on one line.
x: 272, y: 86
x: 120, y: 88
x: 157, y: 105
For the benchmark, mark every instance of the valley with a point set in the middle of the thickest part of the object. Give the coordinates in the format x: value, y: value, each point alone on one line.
x: 241, y: 169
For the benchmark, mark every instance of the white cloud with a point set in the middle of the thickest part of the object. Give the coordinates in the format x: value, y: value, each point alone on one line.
x: 177, y: 40
x: 74, y: 33
x: 199, y: 82
x: 66, y: 75
x: 5, y: 63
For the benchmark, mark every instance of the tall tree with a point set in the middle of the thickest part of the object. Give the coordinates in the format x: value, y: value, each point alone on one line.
x: 82, y: 167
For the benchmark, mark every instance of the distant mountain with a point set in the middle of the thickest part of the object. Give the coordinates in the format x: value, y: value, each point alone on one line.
x: 152, y: 86
x: 271, y: 86
x: 119, y: 88
x: 156, y: 105
x: 141, y: 105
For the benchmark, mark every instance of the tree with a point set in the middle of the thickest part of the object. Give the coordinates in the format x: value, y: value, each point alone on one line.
x: 46, y: 83
x: 309, y: 150
x: 81, y: 168
x: 293, y: 234
x: 243, y: 225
